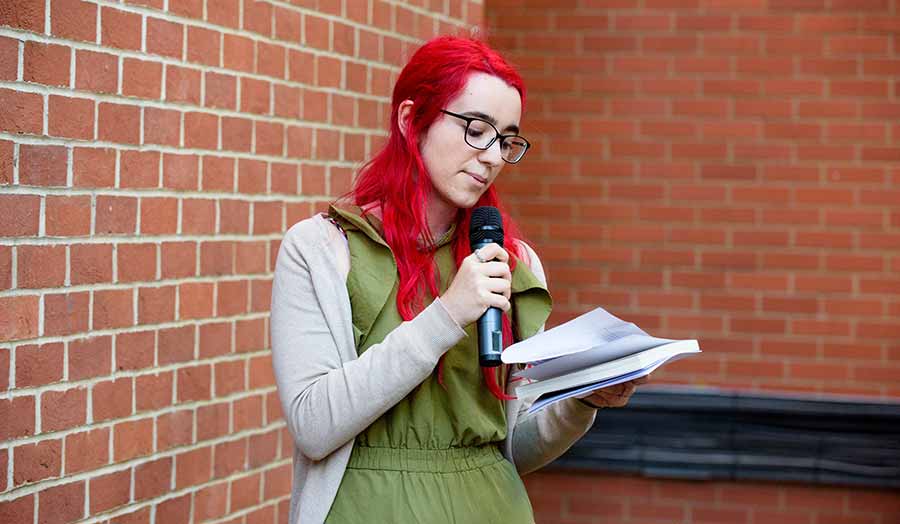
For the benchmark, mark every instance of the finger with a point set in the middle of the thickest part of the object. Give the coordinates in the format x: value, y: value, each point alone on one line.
x: 496, y: 270
x: 493, y: 251
x: 642, y: 380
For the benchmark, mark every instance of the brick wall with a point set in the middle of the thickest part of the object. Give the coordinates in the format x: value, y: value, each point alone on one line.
x: 728, y: 171
x: 152, y: 153
x: 721, y: 170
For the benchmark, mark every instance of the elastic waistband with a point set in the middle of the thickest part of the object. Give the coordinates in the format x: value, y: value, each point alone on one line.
x: 424, y: 460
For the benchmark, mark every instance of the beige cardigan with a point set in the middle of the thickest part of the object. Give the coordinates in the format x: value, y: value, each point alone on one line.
x: 329, y: 396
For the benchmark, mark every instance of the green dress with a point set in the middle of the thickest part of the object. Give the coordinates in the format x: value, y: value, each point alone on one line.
x: 435, y: 456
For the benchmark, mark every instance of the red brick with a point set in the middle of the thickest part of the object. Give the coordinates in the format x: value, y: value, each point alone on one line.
x: 226, y: 13
x: 120, y: 29
x: 113, y: 308
x: 153, y: 392
x: 178, y: 259
x: 175, y: 510
x: 152, y: 479
x: 159, y: 216
x: 112, y: 399
x: 260, y: 295
x: 278, y: 483
x: 269, y: 139
x: 237, y: 135
x: 229, y: 377
x: 41, y: 266
x: 136, y: 262
x: 22, y: 319
x: 9, y: 59
x: 39, y: 365
x: 6, y: 162
x: 230, y: 457
x: 255, y: 96
x: 63, y: 409
x: 37, y: 461
x: 68, y: 216
x: 245, y: 492
x: 201, y: 130
x: 215, y: 339
x: 141, y: 78
x: 19, y: 215
x: 188, y: 8
x: 141, y: 516
x: 180, y: 172
x: 238, y: 52
x: 5, y: 272
x: 93, y: 167
x: 96, y: 72
x: 119, y: 123
x: 216, y: 258
x: 252, y: 176
x: 42, y: 165
x: 301, y: 66
x: 820, y: 328
x: 46, y: 63
x: 132, y: 439
x: 71, y: 117
x: 90, y: 357
x: 135, y: 351
x: 176, y: 345
x: 174, y: 429
x: 210, y: 502
x: 162, y: 126
x: 116, y: 216
x: 26, y: 14
x: 232, y: 297
x: 194, y: 383
x: 18, y: 414
x: 110, y: 491
x: 271, y: 60
x: 195, y: 300
x: 156, y: 305
x: 139, y: 169
x: 182, y: 84
x: 258, y: 17
x: 198, y: 216
x: 248, y: 413
x: 87, y: 450
x: 22, y: 112
x: 91, y: 263
x: 221, y: 92
x: 165, y: 38
x: 61, y: 503
x: 203, y: 46
x: 250, y: 257
x: 213, y: 421
x: 66, y: 313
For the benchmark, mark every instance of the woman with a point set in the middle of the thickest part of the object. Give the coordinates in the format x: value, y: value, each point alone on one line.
x: 374, y: 309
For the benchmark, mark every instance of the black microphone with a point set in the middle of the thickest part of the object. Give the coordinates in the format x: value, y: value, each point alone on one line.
x: 486, y: 227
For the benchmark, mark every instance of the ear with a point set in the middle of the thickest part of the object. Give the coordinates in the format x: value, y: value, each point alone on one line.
x: 404, y: 114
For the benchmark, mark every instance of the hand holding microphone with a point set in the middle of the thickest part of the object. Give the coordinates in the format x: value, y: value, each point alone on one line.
x: 481, y: 288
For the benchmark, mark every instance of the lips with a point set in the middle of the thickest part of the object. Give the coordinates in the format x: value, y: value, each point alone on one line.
x: 480, y: 179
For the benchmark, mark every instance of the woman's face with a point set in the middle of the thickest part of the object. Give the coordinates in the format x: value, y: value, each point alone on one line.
x: 460, y: 173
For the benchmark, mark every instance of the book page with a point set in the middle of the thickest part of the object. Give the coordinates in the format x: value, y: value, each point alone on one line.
x: 616, y: 349
x: 589, y: 330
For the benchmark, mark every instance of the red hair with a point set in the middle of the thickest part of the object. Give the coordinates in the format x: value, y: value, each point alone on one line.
x: 396, y: 179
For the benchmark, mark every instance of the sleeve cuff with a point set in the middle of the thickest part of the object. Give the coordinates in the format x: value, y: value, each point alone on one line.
x: 436, y: 330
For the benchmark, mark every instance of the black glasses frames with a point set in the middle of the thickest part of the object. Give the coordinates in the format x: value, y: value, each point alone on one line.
x: 512, y: 147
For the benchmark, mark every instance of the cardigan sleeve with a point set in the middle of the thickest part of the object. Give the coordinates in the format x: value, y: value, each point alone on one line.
x: 539, y: 438
x: 328, y: 400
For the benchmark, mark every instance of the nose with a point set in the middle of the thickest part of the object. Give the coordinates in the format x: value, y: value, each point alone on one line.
x: 492, y: 156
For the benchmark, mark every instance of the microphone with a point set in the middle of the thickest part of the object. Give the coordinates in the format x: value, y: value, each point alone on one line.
x: 486, y: 227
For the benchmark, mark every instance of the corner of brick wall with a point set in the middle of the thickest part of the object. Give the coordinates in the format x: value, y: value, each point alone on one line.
x: 152, y: 154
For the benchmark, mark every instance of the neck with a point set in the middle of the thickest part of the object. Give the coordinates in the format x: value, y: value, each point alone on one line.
x: 441, y: 216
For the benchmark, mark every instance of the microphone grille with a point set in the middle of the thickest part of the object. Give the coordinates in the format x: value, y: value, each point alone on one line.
x: 486, y: 224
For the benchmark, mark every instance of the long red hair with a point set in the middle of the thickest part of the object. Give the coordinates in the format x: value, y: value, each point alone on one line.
x: 396, y: 180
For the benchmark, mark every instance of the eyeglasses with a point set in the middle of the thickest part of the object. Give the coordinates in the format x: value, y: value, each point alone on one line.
x: 478, y: 135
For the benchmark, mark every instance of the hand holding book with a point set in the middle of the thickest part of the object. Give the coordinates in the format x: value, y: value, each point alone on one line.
x: 615, y: 396
x: 589, y: 353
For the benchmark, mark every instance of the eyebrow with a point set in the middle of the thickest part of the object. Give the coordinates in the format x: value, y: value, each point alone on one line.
x: 478, y: 114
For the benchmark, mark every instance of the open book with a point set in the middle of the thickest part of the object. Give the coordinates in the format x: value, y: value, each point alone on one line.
x: 593, y: 351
